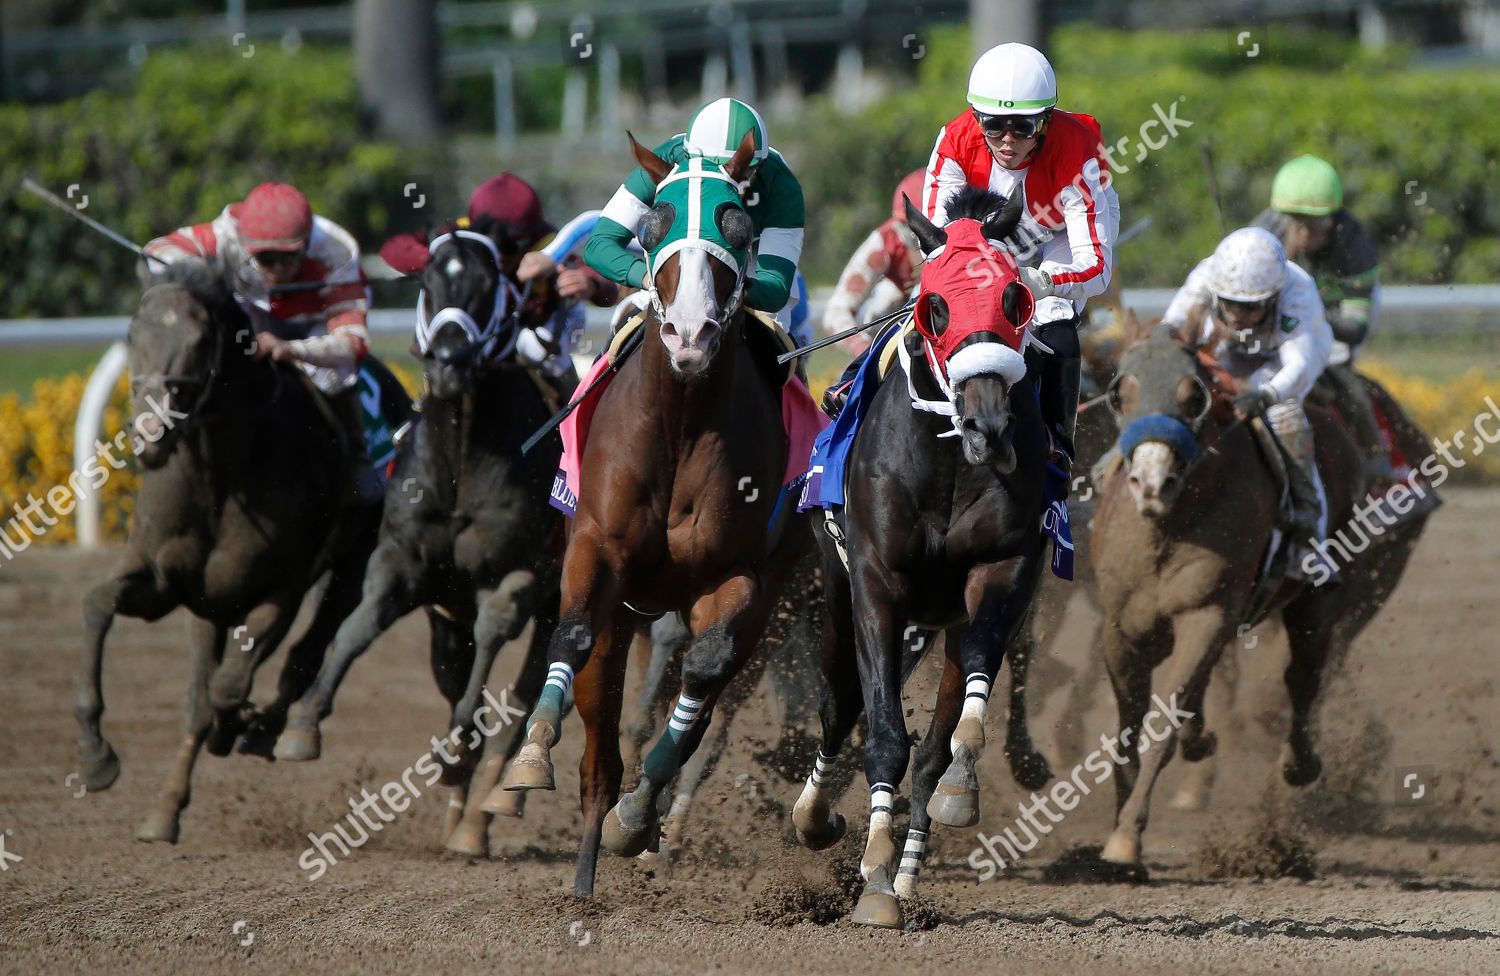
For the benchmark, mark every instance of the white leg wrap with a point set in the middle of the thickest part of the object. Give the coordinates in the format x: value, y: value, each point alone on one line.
x: 560, y: 675
x: 976, y: 698
x: 911, y: 863
x: 686, y: 713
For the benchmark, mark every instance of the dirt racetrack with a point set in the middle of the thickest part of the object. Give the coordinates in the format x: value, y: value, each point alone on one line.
x: 1400, y: 885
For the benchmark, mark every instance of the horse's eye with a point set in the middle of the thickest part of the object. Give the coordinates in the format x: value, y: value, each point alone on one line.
x: 937, y: 314
x: 1192, y: 400
x: 734, y: 223
x: 655, y: 225
x: 1123, y: 392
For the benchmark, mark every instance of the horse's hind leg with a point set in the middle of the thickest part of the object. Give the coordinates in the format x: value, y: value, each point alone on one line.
x: 135, y: 592
x: 390, y: 593
x: 162, y: 823
x: 340, y: 595
x: 933, y: 756
x: 1310, y: 635
x: 840, y: 704
x: 494, y: 799
x: 1027, y: 764
x: 665, y: 639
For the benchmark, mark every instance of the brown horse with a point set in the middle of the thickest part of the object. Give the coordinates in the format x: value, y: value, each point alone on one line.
x: 1181, y: 534
x: 679, y: 480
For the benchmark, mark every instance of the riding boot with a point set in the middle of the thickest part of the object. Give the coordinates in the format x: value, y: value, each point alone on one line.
x: 1354, y: 402
x: 1302, y: 521
x: 368, y: 487
x: 1061, y: 374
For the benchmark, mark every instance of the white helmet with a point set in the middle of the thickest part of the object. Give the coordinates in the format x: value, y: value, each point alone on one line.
x: 1248, y: 266
x: 1012, y: 79
x: 718, y: 127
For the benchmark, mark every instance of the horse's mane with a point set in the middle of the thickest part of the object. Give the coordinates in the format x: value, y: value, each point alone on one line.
x: 975, y: 202
x: 206, y: 281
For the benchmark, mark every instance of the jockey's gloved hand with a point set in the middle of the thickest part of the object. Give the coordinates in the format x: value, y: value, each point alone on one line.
x: 1251, y: 402
x: 1038, y: 282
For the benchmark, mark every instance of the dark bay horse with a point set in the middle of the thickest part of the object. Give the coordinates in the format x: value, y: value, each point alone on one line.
x: 467, y: 531
x: 241, y: 510
x: 680, y: 477
x: 943, y: 534
x: 1182, y: 531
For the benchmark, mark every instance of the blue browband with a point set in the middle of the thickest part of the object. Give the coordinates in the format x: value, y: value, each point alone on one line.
x: 1159, y: 427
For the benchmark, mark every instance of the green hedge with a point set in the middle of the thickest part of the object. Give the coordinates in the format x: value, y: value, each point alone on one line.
x: 1378, y: 118
x: 197, y: 131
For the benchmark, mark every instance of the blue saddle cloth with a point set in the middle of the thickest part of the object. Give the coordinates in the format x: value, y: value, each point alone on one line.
x: 824, y: 484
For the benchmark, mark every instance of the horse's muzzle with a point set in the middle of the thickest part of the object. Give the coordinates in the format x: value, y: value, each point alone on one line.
x: 991, y: 441
x: 691, y: 350
x: 1154, y: 480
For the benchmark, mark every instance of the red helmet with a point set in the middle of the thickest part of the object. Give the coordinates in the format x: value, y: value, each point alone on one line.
x: 512, y: 209
x: 274, y: 217
x: 911, y: 186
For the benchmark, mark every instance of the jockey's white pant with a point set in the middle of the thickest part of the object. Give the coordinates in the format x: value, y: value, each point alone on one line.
x: 1054, y: 308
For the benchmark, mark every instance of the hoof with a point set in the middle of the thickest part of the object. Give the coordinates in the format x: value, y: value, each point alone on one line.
x: 1120, y: 850
x: 299, y: 745
x: 158, y: 829
x: 505, y: 803
x: 1302, y: 773
x: 878, y: 905
x: 630, y: 827
x: 1030, y: 769
x: 955, y: 802
x: 1190, y: 801
x: 468, y: 840
x: 259, y: 740
x: 824, y: 835
x: 1199, y: 749
x: 532, y: 767
x: 101, y: 769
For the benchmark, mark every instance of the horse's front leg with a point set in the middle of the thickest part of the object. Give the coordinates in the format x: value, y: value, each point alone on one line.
x: 229, y: 688
x: 727, y: 625
x: 591, y: 595
x: 162, y: 823
x: 998, y: 597
x: 134, y: 592
x: 1151, y: 736
x: 599, y: 693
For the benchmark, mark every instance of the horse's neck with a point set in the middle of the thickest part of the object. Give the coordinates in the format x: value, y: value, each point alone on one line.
x: 471, y: 427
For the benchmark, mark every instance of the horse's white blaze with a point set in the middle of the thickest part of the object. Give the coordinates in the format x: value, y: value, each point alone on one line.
x: 454, y: 267
x: 694, y: 302
x: 1150, y: 466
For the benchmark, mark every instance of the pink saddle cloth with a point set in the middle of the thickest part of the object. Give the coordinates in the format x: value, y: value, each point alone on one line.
x: 800, y: 417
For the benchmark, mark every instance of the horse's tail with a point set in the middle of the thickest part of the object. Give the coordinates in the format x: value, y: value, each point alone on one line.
x: 1411, y: 442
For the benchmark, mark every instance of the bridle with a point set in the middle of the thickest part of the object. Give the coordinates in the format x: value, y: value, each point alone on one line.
x: 696, y: 173
x: 504, y: 310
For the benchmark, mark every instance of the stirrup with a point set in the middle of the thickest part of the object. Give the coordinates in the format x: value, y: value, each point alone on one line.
x: 835, y: 398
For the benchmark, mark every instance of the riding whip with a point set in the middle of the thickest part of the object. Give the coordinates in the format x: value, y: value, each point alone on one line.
x: 632, y: 343
x: 787, y: 357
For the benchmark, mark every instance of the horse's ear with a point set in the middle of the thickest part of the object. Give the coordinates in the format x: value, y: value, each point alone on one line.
x: 999, y: 226
x: 655, y: 167
x: 738, y: 166
x: 930, y: 237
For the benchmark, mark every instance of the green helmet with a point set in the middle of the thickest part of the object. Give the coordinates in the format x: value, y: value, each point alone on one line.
x: 1307, y: 185
x: 718, y: 128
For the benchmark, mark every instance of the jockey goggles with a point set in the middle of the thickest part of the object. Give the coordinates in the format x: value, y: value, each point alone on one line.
x: 1024, y: 126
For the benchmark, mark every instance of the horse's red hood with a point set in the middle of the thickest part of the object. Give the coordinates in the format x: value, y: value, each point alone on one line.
x: 971, y: 275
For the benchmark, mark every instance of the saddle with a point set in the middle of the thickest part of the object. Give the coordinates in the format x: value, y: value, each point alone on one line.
x: 764, y: 338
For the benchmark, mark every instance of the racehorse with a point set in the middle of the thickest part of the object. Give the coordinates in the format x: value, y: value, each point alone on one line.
x: 243, y: 506
x: 942, y: 534
x: 467, y: 531
x: 680, y: 474
x: 1183, y: 531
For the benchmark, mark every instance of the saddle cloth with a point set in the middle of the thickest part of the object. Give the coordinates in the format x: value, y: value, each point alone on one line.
x: 800, y: 416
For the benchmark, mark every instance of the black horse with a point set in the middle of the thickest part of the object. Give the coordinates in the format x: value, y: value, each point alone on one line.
x: 943, y: 534
x: 242, y: 509
x: 467, y: 530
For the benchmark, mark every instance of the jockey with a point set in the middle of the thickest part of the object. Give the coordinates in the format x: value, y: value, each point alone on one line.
x: 1261, y: 318
x: 1307, y: 214
x: 880, y: 273
x: 1014, y: 139
x: 772, y: 197
x: 507, y: 210
x: 272, y: 238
